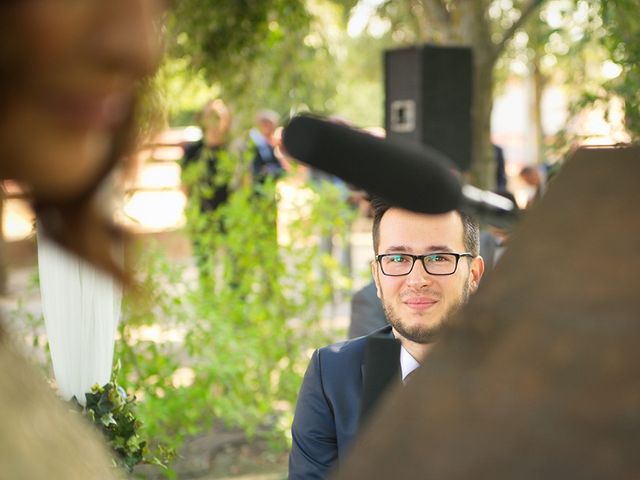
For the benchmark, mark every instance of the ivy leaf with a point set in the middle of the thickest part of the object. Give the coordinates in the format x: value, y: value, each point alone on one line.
x: 108, y: 420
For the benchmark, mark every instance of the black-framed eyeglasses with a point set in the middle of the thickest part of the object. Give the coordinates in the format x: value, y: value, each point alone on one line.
x: 435, y: 263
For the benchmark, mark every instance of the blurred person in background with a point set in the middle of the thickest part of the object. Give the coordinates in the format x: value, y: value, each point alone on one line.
x: 535, y: 178
x: 265, y: 164
x: 70, y: 74
x: 367, y: 314
x: 501, y: 172
x: 206, y: 176
x: 215, y: 121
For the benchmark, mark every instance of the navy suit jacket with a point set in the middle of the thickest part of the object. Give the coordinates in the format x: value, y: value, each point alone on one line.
x: 328, y: 408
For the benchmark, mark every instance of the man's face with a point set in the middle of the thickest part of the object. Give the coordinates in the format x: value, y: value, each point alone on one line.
x: 266, y: 128
x: 418, y: 304
x: 531, y: 178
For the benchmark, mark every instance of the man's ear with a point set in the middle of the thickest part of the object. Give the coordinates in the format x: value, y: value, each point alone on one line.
x: 376, y: 277
x: 477, y: 269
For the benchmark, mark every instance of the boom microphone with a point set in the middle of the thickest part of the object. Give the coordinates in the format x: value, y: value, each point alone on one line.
x: 404, y: 174
x: 407, y: 175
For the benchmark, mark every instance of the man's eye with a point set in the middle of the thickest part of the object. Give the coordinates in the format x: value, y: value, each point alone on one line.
x: 398, y: 259
x: 437, y: 258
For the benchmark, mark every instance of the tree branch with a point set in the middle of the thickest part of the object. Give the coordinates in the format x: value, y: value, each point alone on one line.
x: 510, y: 32
x: 438, y: 12
x: 419, y: 19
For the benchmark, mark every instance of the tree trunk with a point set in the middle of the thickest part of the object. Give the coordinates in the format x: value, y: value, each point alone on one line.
x: 466, y: 22
x: 483, y: 166
x: 474, y: 29
x: 539, y: 82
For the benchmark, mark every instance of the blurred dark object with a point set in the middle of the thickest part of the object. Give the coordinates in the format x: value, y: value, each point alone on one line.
x: 406, y: 175
x: 428, y: 93
x: 538, y: 377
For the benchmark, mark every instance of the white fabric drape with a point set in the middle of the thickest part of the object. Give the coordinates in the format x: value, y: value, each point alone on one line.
x: 81, y: 308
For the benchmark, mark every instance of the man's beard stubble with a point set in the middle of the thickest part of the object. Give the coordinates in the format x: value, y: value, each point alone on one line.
x: 425, y: 334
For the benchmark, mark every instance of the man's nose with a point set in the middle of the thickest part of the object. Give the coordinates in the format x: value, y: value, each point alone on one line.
x: 418, y: 275
x: 128, y: 35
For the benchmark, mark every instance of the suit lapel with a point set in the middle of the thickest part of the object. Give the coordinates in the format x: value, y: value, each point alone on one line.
x: 380, y: 368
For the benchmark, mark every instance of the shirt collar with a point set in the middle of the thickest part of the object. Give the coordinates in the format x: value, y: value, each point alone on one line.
x: 407, y: 363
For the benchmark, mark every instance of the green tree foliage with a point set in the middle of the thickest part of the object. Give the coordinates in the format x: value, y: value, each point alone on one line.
x: 360, y: 92
x: 621, y: 21
x: 567, y: 45
x: 227, y: 345
x: 234, y: 341
x: 560, y: 46
x: 229, y: 35
x: 265, y: 54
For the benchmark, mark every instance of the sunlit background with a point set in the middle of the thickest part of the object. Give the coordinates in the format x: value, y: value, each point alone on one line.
x: 154, y: 200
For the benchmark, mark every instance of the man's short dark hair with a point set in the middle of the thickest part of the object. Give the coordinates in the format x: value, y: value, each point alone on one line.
x: 470, y: 227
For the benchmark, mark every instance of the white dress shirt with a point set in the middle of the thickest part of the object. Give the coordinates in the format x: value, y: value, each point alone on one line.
x: 407, y: 363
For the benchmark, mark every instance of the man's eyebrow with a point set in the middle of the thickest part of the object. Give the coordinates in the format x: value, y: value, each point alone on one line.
x: 439, y: 248
x: 398, y: 249
x: 407, y: 249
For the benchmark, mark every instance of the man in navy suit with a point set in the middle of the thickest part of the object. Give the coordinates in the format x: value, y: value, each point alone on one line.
x: 425, y: 268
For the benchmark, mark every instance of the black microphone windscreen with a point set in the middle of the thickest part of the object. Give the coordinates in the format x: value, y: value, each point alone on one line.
x: 405, y: 175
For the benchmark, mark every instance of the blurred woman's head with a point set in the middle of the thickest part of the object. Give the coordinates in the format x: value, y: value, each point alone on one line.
x: 215, y: 121
x: 70, y: 71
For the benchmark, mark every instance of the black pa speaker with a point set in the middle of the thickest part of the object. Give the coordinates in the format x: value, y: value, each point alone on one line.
x: 428, y: 93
